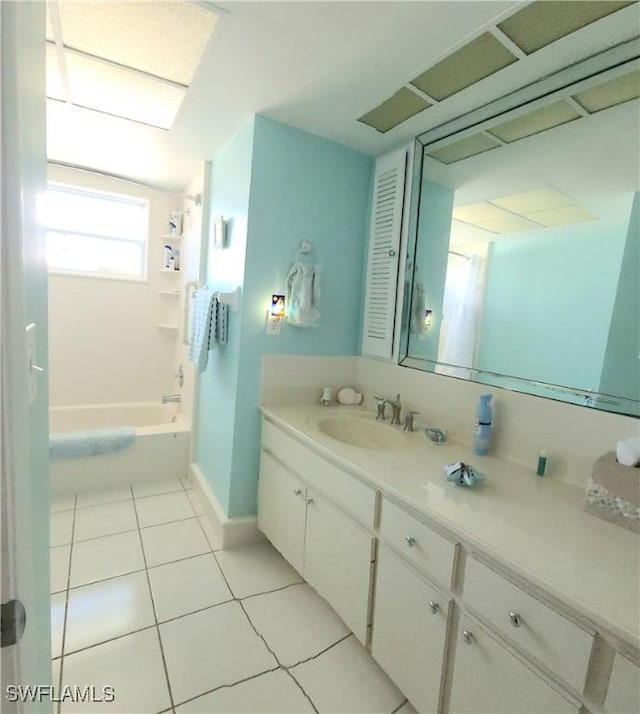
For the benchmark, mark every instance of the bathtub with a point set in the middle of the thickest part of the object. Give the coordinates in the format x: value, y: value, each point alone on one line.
x: 160, y: 450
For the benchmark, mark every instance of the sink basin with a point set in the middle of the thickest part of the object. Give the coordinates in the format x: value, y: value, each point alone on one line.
x: 361, y: 432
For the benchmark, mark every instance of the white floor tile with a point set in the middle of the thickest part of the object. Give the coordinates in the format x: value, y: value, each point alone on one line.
x: 153, y: 510
x: 132, y: 665
x: 346, y: 679
x: 255, y: 569
x: 187, y: 585
x: 212, y: 648
x: 208, y: 531
x: 101, y: 558
x: 296, y: 622
x: 196, y: 502
x: 61, y: 528
x: 59, y: 567
x: 99, y: 498
x: 271, y: 693
x: 155, y: 488
x: 107, y: 609
x: 58, y: 603
x: 107, y: 519
x: 173, y: 541
x: 63, y: 503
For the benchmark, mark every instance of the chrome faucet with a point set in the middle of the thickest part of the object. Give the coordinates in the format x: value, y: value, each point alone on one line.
x: 381, y: 403
x: 396, y: 408
x: 171, y: 399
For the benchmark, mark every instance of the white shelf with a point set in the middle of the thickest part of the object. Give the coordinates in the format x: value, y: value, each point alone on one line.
x: 173, y: 293
x: 168, y: 327
x: 175, y: 238
x: 168, y: 270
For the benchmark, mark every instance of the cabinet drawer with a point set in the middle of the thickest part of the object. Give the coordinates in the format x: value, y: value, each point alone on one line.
x: 420, y: 544
x: 556, y: 642
x: 623, y: 696
x: 488, y: 678
x: 340, y: 487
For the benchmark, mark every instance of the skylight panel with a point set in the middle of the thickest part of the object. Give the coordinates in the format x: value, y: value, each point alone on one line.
x: 401, y: 106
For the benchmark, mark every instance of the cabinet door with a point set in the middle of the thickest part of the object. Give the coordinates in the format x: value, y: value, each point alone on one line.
x: 409, y: 630
x: 488, y: 678
x: 337, y: 562
x: 623, y: 696
x: 281, y: 509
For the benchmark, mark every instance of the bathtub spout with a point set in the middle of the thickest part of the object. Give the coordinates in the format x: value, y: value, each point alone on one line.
x: 171, y: 399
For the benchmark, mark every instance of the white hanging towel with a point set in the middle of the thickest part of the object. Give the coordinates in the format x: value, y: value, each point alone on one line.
x: 204, y: 304
x: 303, y: 295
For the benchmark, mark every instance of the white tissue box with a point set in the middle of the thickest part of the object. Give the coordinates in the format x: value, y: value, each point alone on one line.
x: 613, y: 492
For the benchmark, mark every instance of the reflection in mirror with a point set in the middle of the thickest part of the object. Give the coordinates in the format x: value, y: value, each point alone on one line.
x: 527, y: 266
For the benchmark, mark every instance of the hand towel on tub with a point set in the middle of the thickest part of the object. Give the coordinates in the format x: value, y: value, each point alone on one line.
x: 204, y: 306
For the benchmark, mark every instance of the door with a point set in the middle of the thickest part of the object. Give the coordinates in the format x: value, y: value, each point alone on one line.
x: 24, y: 494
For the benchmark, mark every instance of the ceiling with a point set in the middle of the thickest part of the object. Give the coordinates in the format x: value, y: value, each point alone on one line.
x: 318, y: 66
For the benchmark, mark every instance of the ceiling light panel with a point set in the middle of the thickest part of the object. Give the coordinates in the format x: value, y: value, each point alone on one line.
x: 562, y: 216
x: 166, y: 39
x: 55, y: 85
x: 507, y: 224
x: 475, y: 212
x: 463, y: 149
x: 541, y: 23
x: 401, y: 106
x: 478, y: 59
x: 542, y: 199
x: 535, y: 122
x: 609, y: 94
x: 121, y: 92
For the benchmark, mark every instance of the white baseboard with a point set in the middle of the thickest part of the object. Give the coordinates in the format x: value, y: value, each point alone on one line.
x: 230, y: 532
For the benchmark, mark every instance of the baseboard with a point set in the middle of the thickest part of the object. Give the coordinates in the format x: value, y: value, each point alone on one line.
x: 230, y: 532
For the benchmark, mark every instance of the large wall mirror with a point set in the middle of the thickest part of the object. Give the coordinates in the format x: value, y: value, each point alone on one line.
x: 524, y: 261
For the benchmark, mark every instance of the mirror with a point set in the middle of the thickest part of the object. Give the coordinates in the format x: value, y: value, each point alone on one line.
x: 524, y: 261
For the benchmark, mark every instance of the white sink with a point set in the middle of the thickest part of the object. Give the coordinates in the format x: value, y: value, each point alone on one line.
x: 365, y: 433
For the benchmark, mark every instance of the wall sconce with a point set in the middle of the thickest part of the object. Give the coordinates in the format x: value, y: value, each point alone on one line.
x: 219, y: 232
x: 275, y: 314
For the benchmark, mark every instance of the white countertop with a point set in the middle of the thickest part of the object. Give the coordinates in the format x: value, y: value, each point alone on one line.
x: 535, y: 525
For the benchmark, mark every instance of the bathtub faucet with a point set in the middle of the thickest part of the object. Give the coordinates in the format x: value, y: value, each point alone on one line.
x: 171, y: 398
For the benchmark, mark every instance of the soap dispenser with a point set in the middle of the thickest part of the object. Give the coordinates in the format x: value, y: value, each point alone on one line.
x: 482, y: 432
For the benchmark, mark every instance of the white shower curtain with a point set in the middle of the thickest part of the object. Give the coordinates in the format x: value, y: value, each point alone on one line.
x: 460, y: 311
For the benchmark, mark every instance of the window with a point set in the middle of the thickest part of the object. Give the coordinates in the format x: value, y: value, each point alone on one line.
x: 95, y: 232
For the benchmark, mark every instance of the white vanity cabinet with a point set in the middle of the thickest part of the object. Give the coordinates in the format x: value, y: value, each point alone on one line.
x: 623, y: 695
x: 409, y: 630
x: 318, y: 536
x: 488, y: 678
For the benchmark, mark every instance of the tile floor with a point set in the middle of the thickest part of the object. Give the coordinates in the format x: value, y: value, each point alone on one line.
x: 144, y: 600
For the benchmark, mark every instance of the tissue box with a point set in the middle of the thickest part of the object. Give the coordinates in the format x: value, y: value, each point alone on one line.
x: 613, y: 492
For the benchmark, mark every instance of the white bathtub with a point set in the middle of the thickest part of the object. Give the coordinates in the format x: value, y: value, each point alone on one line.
x: 160, y: 450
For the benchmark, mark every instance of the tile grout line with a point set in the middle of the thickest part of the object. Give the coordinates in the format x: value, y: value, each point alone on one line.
x: 66, y: 602
x: 399, y: 707
x: 153, y: 605
x: 301, y: 688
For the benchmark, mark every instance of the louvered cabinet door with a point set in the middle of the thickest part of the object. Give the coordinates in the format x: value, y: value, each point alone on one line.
x: 384, y: 250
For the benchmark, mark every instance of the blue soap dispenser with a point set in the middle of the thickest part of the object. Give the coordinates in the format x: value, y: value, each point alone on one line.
x: 482, y: 432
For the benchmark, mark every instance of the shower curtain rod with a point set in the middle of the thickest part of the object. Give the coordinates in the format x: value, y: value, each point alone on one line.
x: 460, y: 255
x: 195, y: 197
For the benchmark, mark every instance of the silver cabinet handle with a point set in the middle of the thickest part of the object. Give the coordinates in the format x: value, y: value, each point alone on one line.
x: 411, y: 541
x: 392, y: 253
x: 35, y: 368
x: 515, y: 618
x: 467, y: 636
x: 297, y: 492
x: 434, y: 607
x: 308, y: 500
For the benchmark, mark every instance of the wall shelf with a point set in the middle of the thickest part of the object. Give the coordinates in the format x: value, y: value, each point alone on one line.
x: 172, y: 293
x: 174, y: 238
x: 174, y: 328
x: 168, y: 270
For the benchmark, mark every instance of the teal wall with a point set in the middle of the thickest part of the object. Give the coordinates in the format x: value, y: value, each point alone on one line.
x: 621, y: 369
x: 299, y: 187
x: 432, y: 254
x: 561, y: 286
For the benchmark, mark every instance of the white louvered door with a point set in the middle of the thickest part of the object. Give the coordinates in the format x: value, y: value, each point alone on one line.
x: 384, y: 254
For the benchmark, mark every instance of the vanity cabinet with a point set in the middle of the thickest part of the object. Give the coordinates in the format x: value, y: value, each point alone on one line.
x: 328, y: 548
x: 489, y: 678
x: 623, y: 696
x: 409, y: 630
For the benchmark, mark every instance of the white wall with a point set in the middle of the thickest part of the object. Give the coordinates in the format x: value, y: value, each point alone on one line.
x: 574, y: 437
x: 104, y: 341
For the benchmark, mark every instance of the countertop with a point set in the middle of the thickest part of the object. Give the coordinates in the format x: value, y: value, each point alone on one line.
x: 534, y: 525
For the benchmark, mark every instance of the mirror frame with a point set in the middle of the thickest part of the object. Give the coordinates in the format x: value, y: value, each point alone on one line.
x: 577, y: 77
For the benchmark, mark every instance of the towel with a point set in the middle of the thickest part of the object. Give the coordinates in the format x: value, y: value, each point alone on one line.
x: 74, y: 444
x: 204, y: 309
x: 222, y: 321
x: 303, y: 295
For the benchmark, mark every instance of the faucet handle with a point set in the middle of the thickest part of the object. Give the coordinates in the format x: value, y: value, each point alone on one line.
x: 380, y: 400
x: 408, y: 420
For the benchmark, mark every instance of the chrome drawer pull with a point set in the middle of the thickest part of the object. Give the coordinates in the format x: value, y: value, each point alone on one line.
x: 411, y: 541
x: 308, y: 500
x: 434, y: 607
x: 467, y: 636
x: 297, y: 492
x: 515, y: 618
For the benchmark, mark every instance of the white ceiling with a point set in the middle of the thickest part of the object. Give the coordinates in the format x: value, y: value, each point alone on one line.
x: 317, y: 66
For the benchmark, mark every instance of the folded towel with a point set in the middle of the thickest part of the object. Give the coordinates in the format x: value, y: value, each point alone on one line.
x: 303, y: 295
x: 222, y: 320
x: 74, y: 444
x: 628, y: 452
x: 204, y: 307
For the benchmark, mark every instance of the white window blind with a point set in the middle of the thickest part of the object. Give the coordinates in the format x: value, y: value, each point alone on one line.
x: 384, y: 249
